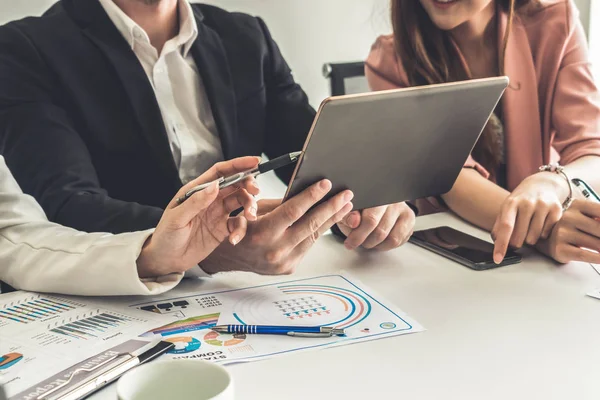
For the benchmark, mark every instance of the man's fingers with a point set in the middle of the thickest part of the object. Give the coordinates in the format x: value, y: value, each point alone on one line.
x: 503, y: 230
x: 383, y: 230
x: 181, y: 215
x: 268, y: 205
x: 238, y: 226
x: 311, y: 223
x: 241, y: 198
x: 308, y: 242
x: 222, y: 169
x: 295, y: 208
x: 302, y: 236
x: 370, y: 219
x: 249, y: 184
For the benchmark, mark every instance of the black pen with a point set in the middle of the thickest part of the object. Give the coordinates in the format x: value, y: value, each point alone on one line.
x: 262, y: 168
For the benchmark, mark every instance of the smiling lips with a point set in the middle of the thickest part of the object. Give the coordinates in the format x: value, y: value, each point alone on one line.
x: 444, y: 4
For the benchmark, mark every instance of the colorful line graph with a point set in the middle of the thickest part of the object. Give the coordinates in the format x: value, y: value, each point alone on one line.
x: 185, y: 325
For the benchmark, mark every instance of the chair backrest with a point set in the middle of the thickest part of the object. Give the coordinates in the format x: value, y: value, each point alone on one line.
x: 346, y: 78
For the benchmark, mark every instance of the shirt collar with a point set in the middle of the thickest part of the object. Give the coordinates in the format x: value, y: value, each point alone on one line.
x: 131, y: 31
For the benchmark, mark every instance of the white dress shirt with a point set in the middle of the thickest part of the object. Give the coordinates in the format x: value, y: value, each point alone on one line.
x: 40, y: 256
x: 179, y: 90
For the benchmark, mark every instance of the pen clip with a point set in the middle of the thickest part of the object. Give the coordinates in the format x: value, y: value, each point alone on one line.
x: 333, y: 331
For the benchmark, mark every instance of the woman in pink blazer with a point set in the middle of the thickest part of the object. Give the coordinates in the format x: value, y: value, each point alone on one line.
x: 550, y: 113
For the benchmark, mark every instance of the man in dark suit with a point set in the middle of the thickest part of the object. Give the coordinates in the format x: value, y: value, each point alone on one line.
x: 108, y: 106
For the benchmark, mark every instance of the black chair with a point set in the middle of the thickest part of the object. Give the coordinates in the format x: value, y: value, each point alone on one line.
x: 346, y: 78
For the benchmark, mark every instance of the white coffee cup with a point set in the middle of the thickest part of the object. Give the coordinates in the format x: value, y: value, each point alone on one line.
x: 176, y: 379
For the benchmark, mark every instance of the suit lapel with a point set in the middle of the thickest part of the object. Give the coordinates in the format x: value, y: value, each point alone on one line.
x: 100, y: 30
x: 211, y: 59
x: 521, y: 113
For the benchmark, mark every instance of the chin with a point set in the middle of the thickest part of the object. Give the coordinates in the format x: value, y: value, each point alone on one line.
x: 446, y: 24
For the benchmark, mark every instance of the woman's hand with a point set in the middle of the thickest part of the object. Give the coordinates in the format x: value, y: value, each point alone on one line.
x: 380, y: 228
x: 189, y: 232
x: 530, y: 212
x: 576, y: 237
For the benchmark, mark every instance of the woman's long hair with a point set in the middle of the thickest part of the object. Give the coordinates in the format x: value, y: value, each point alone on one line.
x: 429, y: 57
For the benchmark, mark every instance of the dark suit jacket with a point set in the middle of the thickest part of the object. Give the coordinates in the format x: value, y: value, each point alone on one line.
x: 81, y: 129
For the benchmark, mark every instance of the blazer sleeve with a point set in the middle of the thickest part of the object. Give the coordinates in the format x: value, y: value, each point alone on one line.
x: 37, y: 255
x: 576, y: 104
x: 46, y: 153
x: 289, y: 114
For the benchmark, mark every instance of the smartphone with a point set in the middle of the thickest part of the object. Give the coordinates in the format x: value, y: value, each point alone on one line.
x: 586, y: 190
x: 462, y: 248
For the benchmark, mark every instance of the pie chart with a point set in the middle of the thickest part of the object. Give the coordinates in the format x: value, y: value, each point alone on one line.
x: 216, y: 339
x: 10, y: 359
x: 183, y: 344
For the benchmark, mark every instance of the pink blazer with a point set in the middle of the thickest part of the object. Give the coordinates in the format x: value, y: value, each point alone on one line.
x: 552, y: 110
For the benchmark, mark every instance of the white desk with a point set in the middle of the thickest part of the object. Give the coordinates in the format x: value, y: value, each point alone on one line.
x: 520, y: 332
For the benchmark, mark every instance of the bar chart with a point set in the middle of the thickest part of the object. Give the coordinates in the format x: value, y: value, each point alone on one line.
x: 91, y: 327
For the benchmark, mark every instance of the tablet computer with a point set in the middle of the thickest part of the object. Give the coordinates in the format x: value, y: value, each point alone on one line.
x: 397, y: 145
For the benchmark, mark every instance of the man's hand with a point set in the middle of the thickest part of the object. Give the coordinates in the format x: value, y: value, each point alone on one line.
x: 187, y: 233
x: 283, y: 233
x: 380, y: 228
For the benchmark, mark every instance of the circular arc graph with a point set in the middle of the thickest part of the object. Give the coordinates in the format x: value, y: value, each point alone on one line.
x: 302, y: 305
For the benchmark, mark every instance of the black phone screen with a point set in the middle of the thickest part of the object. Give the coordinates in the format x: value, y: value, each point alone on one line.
x: 461, y: 244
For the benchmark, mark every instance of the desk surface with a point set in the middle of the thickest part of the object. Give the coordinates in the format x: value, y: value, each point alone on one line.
x: 525, y: 331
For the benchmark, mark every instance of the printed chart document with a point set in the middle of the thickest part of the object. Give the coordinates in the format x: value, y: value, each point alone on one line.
x: 334, y: 301
x: 42, y: 335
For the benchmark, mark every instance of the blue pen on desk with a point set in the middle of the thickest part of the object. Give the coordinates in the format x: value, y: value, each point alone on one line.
x: 296, y: 331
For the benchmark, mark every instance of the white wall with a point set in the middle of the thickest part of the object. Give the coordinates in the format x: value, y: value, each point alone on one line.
x: 584, y: 9
x: 15, y: 9
x: 313, y: 32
